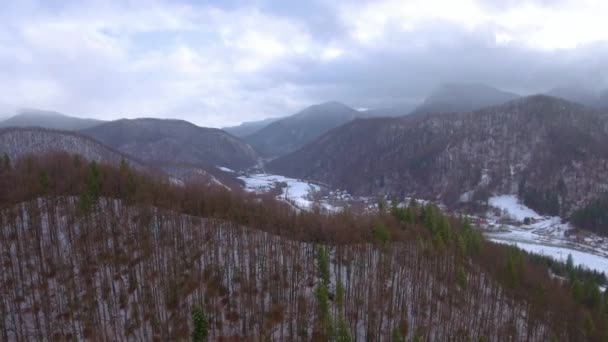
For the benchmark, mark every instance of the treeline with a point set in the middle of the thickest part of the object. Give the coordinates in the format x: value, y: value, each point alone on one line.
x: 97, y: 252
x: 593, y: 217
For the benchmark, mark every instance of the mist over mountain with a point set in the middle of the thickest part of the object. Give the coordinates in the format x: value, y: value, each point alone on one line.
x: 249, y: 127
x: 463, y: 97
x: 48, y: 119
x: 290, y: 133
x: 174, y: 142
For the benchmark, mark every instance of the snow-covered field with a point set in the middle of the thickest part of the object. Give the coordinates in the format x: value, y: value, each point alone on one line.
x: 297, y: 192
x: 511, y: 206
x: 519, y: 225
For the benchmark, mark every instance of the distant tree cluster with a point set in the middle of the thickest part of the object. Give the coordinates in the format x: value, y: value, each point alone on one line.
x: 593, y: 217
x: 545, y: 202
x: 91, y: 251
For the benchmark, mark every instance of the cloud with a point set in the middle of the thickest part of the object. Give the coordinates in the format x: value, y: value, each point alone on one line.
x: 220, y: 63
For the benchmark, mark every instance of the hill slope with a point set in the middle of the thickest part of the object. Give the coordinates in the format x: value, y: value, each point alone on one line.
x: 48, y: 119
x: 174, y: 142
x: 553, y: 153
x: 109, y: 257
x: 292, y: 132
x: 17, y: 142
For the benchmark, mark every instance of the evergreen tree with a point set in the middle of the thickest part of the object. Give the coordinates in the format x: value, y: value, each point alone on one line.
x: 44, y: 180
x: 569, y: 263
x: 323, y: 264
x: 199, y: 325
x: 396, y: 336
x: 343, y: 335
x: 93, y: 181
x: 513, y: 268
x: 322, y: 297
x: 461, y: 278
x: 380, y: 234
x: 577, y: 290
x: 339, y: 294
x: 322, y: 292
x: 6, y: 162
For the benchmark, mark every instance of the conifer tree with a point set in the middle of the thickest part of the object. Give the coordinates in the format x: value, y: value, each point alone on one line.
x: 396, y: 336
x: 6, y: 162
x: 199, y: 325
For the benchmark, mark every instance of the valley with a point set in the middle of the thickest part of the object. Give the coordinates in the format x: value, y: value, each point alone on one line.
x: 363, y: 228
x: 506, y: 221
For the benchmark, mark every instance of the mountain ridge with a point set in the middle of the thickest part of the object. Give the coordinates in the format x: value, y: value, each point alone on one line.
x: 174, y: 141
x: 535, y: 146
x: 48, y: 119
x: 292, y: 132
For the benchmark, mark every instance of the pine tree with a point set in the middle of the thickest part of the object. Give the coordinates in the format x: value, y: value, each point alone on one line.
x: 343, y: 335
x: 323, y: 264
x: 577, y: 290
x: 44, y: 180
x: 199, y: 325
x: 461, y: 278
x: 93, y: 181
x: 6, y: 162
x: 396, y: 336
x: 569, y: 263
x: 322, y: 292
x: 381, y: 234
x: 513, y: 268
x: 322, y: 297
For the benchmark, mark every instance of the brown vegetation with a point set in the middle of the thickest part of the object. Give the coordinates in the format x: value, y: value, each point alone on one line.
x: 106, y: 253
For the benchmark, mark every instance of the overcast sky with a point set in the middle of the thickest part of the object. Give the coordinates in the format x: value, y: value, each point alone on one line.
x: 218, y: 63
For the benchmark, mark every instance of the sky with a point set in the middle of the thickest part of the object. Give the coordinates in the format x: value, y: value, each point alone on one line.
x: 218, y: 63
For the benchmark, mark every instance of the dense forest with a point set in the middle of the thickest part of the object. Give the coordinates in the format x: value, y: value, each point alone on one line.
x: 593, y: 217
x: 92, y: 251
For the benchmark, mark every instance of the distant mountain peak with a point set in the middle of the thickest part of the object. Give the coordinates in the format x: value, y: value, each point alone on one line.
x: 30, y: 117
x: 292, y: 132
x: 463, y: 97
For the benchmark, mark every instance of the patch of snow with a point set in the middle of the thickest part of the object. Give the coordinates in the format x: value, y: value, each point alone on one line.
x: 511, y: 205
x: 467, y: 196
x: 297, y: 192
x: 580, y: 258
x: 176, y: 181
x: 225, y: 169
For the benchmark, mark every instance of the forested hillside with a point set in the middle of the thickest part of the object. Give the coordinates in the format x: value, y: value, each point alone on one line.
x: 174, y: 142
x: 92, y: 251
x: 550, y: 152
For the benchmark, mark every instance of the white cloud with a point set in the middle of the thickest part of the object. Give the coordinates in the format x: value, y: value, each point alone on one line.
x: 564, y: 24
x: 219, y: 65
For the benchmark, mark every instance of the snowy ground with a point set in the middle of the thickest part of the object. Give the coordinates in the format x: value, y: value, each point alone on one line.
x: 510, y: 222
x: 297, y: 192
x: 513, y: 223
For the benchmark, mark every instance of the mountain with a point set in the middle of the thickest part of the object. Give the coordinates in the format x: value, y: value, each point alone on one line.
x: 48, y: 119
x: 463, y: 97
x: 578, y: 94
x: 249, y: 127
x: 291, y: 133
x: 17, y: 142
x: 105, y: 256
x: 174, y: 142
x: 552, y: 153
